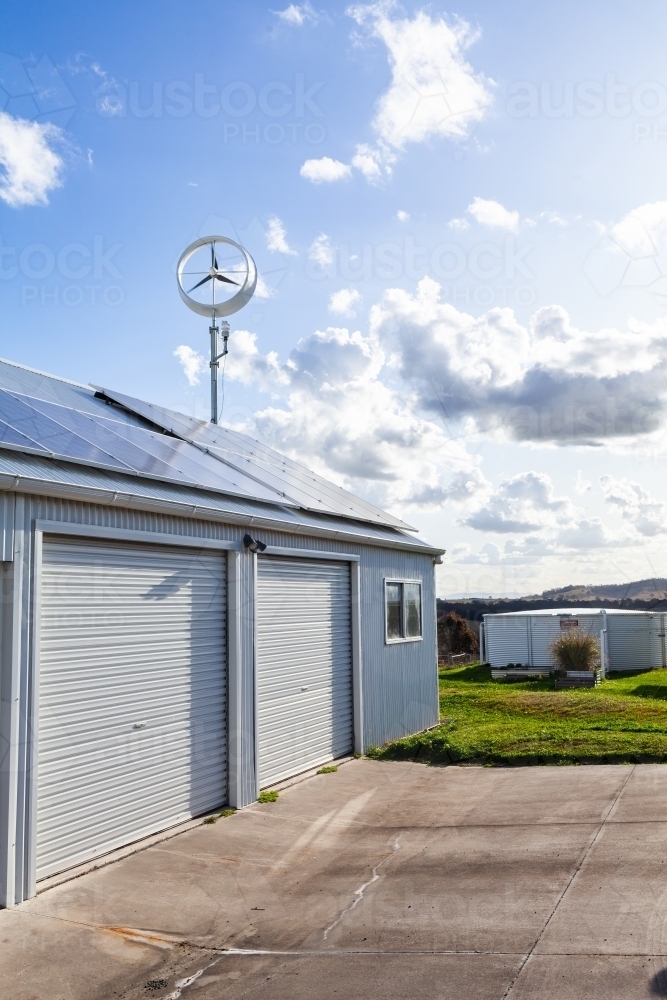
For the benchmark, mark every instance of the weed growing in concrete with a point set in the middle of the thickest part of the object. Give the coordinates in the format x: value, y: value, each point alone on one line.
x: 225, y: 813
x: 267, y: 796
x: 209, y: 820
x: 327, y: 770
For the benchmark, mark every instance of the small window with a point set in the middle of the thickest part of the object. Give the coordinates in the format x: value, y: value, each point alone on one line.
x: 403, y: 610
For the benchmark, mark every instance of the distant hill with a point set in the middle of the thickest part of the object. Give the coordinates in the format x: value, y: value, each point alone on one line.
x: 640, y: 590
x: 640, y: 595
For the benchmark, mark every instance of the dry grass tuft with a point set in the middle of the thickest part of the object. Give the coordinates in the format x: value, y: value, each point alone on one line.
x: 576, y: 650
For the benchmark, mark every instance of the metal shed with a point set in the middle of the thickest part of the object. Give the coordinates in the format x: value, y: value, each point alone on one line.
x: 187, y: 617
x: 629, y: 640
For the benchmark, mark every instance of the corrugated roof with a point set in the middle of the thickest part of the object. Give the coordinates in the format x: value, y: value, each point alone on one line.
x: 33, y: 474
x: 563, y: 612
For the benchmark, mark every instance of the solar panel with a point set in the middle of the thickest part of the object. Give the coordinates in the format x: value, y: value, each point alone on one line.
x: 11, y: 438
x: 46, y: 428
x: 48, y: 437
x: 303, y: 487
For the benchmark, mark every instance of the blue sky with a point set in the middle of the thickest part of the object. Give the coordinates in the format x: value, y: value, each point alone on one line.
x: 459, y: 217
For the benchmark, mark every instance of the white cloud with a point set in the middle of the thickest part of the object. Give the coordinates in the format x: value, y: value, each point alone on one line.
x: 528, y: 550
x: 554, y: 218
x: 523, y: 504
x: 263, y: 289
x: 488, y: 555
x: 589, y: 533
x: 550, y: 218
x: 459, y: 225
x: 245, y: 364
x: 463, y: 487
x: 297, y: 14
x: 632, y: 253
x: 110, y: 104
x: 581, y: 485
x: 368, y: 162
x: 433, y: 91
x: 276, y: 237
x: 493, y: 214
x: 644, y: 512
x: 82, y: 63
x: 402, y: 216
x: 393, y: 414
x: 321, y: 251
x: 373, y: 162
x: 332, y: 411
x: 344, y: 302
x: 325, y: 170
x: 110, y: 95
x: 548, y: 526
x: 546, y: 382
x: 30, y: 166
x: 193, y: 363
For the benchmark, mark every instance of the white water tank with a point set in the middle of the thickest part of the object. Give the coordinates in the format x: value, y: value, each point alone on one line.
x: 631, y: 640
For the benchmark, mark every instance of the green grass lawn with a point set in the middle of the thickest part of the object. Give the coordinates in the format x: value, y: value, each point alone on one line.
x: 624, y: 720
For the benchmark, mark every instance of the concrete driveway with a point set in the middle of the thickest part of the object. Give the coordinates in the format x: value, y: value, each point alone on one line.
x: 379, y: 881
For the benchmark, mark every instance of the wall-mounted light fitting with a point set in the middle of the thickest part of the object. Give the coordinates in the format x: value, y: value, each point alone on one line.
x: 253, y: 544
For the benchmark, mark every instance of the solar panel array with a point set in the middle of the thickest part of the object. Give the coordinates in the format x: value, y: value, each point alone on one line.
x: 47, y: 416
x: 39, y: 427
x: 294, y: 483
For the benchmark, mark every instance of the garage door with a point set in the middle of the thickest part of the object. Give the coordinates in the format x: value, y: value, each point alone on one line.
x: 132, y: 698
x: 304, y: 664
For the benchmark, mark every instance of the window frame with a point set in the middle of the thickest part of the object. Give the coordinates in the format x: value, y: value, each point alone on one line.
x: 403, y: 638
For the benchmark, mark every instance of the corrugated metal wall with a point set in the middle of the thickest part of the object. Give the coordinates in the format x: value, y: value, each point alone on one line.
x: 400, y: 679
x: 658, y: 640
x: 543, y: 631
x: 506, y: 640
x: 400, y: 687
x: 636, y: 642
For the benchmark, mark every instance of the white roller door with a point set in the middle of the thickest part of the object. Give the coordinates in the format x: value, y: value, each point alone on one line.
x: 132, y: 695
x: 304, y: 664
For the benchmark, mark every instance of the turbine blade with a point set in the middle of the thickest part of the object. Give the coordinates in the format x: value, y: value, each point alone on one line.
x: 228, y: 280
x: 202, y: 282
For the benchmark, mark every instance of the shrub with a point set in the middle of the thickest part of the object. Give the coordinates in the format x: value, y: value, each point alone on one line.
x: 455, y: 636
x: 575, y: 650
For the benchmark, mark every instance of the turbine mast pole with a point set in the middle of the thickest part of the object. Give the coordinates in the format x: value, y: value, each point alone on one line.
x: 213, y: 330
